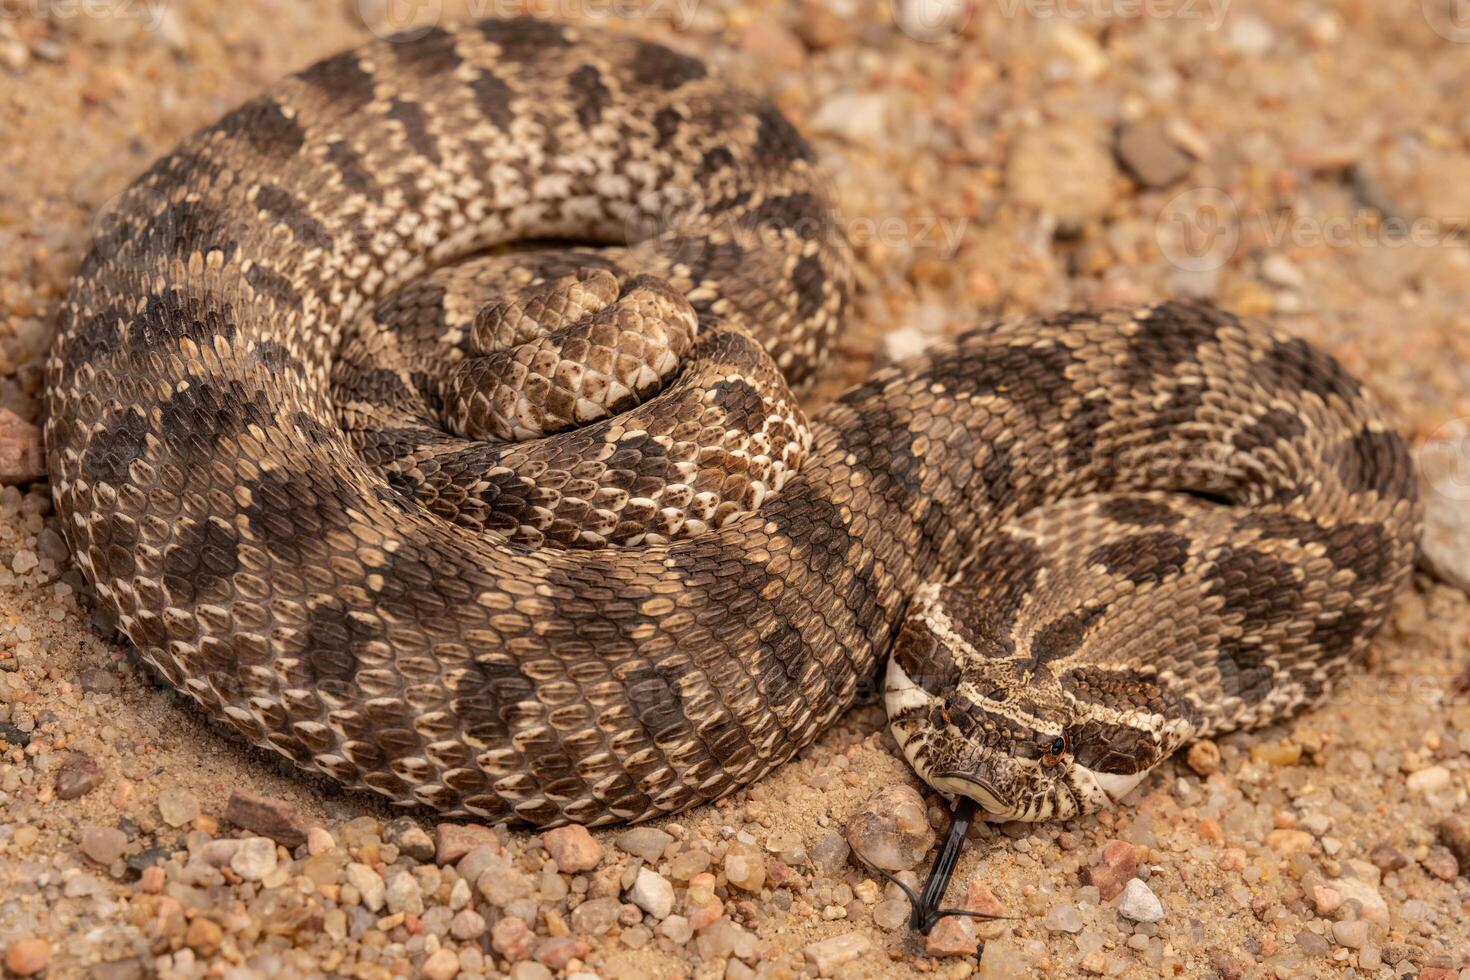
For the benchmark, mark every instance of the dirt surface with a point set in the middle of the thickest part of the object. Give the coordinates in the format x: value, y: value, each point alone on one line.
x: 1309, y: 162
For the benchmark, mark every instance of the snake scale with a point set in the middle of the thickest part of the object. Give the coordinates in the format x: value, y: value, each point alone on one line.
x: 543, y: 535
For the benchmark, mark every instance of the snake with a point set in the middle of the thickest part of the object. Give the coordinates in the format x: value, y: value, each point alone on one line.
x: 434, y: 420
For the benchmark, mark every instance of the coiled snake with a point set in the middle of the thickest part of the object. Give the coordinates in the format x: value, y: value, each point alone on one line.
x: 544, y: 535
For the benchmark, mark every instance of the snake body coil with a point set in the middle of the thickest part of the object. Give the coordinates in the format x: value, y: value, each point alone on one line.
x: 544, y: 536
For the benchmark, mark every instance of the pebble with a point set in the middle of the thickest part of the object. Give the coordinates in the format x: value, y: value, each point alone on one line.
x: 1204, y: 757
x: 27, y: 957
x: 1278, y: 270
x: 891, y: 830
x: 1150, y: 155
x: 177, y: 807
x: 369, y: 885
x: 1312, y: 944
x: 503, y: 886
x: 745, y: 866
x: 103, y: 844
x: 254, y: 858
x: 1139, y: 903
x: 820, y: 27
x: 468, y: 925
x: 1429, y: 781
x: 648, y: 843
x: 677, y: 929
x: 1386, y: 857
x: 319, y: 841
x: 1117, y: 864
x: 511, y: 938
x: 1287, y: 841
x: 403, y: 894
x: 1445, y: 543
x: 204, y: 936
x: 1003, y: 960
x: 1352, y: 933
x: 572, y: 848
x: 529, y: 970
x: 858, y: 117
x: 827, y: 955
x: 77, y: 776
x: 1454, y: 832
x: 21, y: 459
x: 442, y: 964
x: 830, y: 852
x: 1250, y: 35
x: 1063, y: 170
x: 930, y: 21
x: 687, y: 864
x: 770, y: 42
x: 1327, y: 900
x: 652, y: 893
x: 596, y: 916
x: 454, y: 841
x: 266, y: 816
x: 891, y: 913
x: 1441, y: 863
x: 1063, y: 918
x: 960, y: 935
x: 558, y: 951
x: 1369, y: 899
x: 95, y: 681
x: 404, y: 834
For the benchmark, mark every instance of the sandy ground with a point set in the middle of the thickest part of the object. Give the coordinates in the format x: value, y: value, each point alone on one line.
x: 1309, y: 162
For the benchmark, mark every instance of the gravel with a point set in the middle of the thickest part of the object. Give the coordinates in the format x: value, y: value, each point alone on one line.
x: 1139, y: 904
x: 135, y: 840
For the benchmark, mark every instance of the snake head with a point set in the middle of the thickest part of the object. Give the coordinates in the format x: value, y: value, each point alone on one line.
x: 1024, y: 743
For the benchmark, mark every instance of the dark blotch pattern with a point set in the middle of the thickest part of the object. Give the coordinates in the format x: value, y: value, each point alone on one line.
x: 1172, y: 336
x: 493, y: 97
x: 1260, y: 592
x: 809, y: 280
x: 1275, y: 426
x: 1139, y: 511
x: 523, y: 38
x: 777, y: 143
x: 430, y: 54
x: 263, y: 124
x: 342, y: 82
x: 1293, y: 366
x: 415, y: 122
x: 121, y: 441
x: 350, y: 168
x: 487, y: 695
x: 292, y: 213
x: 590, y: 95
x: 1064, y: 635
x: 661, y: 67
x: 198, y: 564
x: 1377, y: 462
x: 1143, y: 559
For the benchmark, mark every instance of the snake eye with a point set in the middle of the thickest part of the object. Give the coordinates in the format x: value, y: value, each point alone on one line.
x: 1054, y: 752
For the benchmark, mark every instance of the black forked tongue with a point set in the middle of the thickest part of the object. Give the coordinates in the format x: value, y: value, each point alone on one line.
x: 926, y: 912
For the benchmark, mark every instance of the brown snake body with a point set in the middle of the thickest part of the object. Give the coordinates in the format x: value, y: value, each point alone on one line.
x: 545, y: 537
